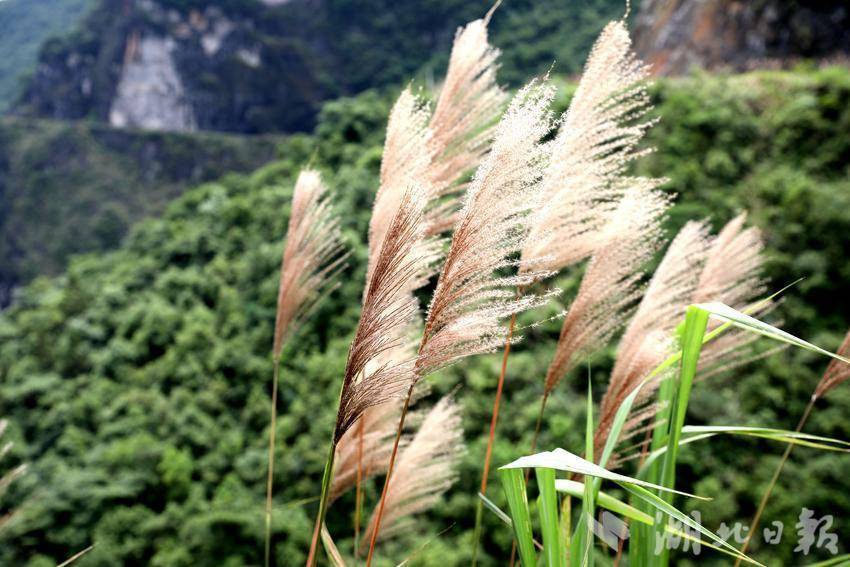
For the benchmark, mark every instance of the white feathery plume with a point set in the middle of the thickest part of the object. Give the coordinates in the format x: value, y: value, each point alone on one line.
x: 464, y: 118
x: 389, y: 310
x: 312, y: 257
x: 597, y: 140
x: 467, y: 312
x: 611, y: 284
x: 472, y: 299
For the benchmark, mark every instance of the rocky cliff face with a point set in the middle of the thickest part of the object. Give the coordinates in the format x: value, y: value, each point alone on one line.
x: 181, y: 66
x: 677, y: 35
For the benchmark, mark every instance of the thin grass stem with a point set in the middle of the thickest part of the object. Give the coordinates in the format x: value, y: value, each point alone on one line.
x: 374, y: 539
x: 358, y: 491
x: 766, y: 496
x: 269, y: 480
x: 327, y: 477
x: 476, y: 538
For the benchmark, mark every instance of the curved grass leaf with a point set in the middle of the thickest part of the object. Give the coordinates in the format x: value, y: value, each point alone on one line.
x: 560, y: 459
x: 605, y: 500
x: 576, y: 490
x: 727, y: 314
x: 563, y: 460
x: 692, y: 433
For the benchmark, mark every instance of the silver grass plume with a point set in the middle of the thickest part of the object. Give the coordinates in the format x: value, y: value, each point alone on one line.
x: 596, y: 141
x: 837, y: 372
x: 732, y: 275
x: 611, y: 284
x: 405, y: 161
x: 464, y: 119
x: 649, y: 337
x: 730, y: 272
x: 312, y: 257
x: 389, y: 308
x: 467, y: 312
x: 472, y: 299
x: 426, y: 468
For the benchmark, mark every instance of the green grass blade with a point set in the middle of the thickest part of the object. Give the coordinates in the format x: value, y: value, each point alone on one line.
x: 581, y: 548
x: 696, y: 321
x: 490, y: 505
x: 604, y: 500
x: 562, y: 460
x: 725, y: 313
x: 668, y: 509
x: 693, y: 433
x: 834, y: 562
x: 513, y: 484
x: 548, y: 510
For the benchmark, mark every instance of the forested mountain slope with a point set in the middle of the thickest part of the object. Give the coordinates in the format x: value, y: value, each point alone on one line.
x: 24, y: 26
x: 67, y: 188
x: 137, y: 383
x: 254, y: 66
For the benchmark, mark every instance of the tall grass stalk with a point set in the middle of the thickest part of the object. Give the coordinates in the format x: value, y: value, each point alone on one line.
x: 773, y: 480
x: 836, y: 374
x: 358, y: 490
x: 269, y: 481
x: 327, y: 478
x: 312, y: 258
x: 488, y: 453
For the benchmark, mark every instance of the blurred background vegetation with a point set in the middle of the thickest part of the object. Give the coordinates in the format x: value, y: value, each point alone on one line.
x: 136, y: 377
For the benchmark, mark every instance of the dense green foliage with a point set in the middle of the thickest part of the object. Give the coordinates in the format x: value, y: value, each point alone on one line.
x: 71, y: 188
x: 137, y: 384
x: 25, y: 24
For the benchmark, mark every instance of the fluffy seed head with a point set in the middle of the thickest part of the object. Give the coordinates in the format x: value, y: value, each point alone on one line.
x: 472, y: 299
x: 426, y: 468
x: 597, y: 139
x: 837, y: 372
x: 611, y: 284
x: 312, y: 257
x: 464, y: 119
x: 649, y: 339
